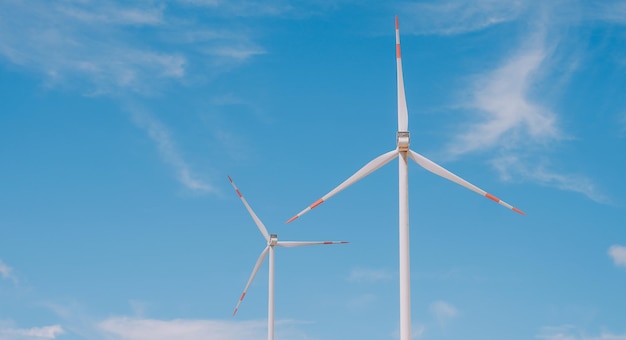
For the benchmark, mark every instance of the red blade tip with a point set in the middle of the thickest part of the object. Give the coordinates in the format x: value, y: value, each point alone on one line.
x: 291, y: 219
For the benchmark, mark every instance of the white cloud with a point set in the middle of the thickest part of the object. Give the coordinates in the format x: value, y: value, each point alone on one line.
x: 71, y: 43
x: 510, y: 119
x: 618, y: 254
x: 369, y: 275
x: 95, y: 47
x: 7, y: 272
x: 124, y: 328
x: 35, y: 333
x: 508, y: 114
x: 569, y: 332
x: 459, y: 16
x: 443, y: 311
x: 168, y: 151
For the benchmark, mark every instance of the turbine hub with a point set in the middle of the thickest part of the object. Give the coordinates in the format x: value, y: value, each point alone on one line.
x: 403, y: 139
x: 273, y: 240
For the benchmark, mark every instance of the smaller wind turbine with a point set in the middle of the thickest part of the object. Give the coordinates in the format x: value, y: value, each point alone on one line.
x: 272, y: 241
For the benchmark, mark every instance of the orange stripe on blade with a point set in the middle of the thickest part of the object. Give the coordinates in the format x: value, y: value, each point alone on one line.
x: 318, y: 202
x: 238, y: 193
x: 492, y: 197
x: 519, y: 211
x: 242, y: 296
x: 398, y: 51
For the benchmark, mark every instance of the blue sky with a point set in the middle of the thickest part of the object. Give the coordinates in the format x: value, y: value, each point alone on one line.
x: 119, y: 124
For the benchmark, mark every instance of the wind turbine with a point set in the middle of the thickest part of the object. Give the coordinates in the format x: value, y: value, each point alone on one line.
x: 272, y: 241
x: 403, y: 153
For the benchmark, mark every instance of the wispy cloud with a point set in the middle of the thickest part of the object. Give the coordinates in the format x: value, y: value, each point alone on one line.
x: 153, y: 329
x: 161, y: 136
x: 459, y: 16
x: 128, y: 51
x: 443, y: 311
x: 98, y: 48
x: 7, y: 272
x: 569, y: 332
x: 609, y: 11
x: 510, y: 119
x: 508, y: 114
x: 520, y: 167
x: 370, y: 275
x: 75, y: 43
x: 246, y: 8
x: 35, y: 333
x: 618, y: 254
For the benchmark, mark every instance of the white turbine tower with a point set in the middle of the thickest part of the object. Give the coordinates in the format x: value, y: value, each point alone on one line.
x: 403, y: 153
x: 272, y: 241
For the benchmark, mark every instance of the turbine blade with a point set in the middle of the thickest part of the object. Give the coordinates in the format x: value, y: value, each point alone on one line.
x: 403, y: 114
x: 256, y: 219
x: 364, y: 171
x: 292, y: 244
x: 254, y: 271
x: 439, y: 170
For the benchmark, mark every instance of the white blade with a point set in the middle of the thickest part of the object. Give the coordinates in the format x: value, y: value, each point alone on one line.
x: 403, y: 115
x: 256, y: 219
x: 364, y: 171
x: 291, y: 244
x: 439, y: 170
x: 254, y: 271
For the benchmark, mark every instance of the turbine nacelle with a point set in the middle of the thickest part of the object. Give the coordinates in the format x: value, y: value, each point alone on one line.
x: 403, y: 139
x: 273, y: 240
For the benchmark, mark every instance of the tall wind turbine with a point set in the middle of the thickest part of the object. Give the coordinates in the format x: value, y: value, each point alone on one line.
x: 272, y: 241
x: 403, y: 153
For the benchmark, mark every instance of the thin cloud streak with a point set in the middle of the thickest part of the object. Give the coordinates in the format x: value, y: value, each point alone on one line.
x: 569, y: 332
x: 453, y: 17
x: 152, y: 329
x: 168, y: 151
x: 511, y: 167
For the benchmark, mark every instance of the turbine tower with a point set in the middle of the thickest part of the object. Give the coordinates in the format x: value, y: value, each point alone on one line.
x: 403, y: 153
x: 272, y: 241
